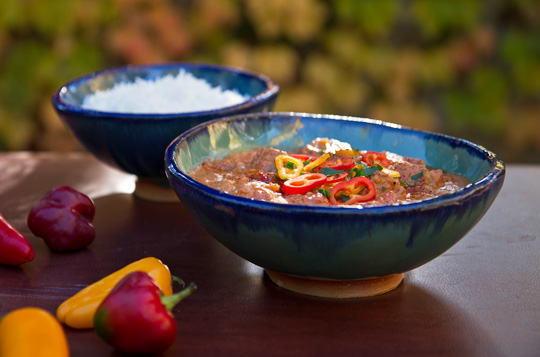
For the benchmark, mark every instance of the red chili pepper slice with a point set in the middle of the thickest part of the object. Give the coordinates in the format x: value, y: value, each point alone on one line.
x: 353, y: 191
x: 337, y: 178
x: 339, y: 164
x: 372, y: 158
x: 303, y: 183
x: 302, y: 157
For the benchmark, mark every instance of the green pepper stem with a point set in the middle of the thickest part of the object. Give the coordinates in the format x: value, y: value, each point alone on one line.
x: 178, y: 280
x: 172, y: 300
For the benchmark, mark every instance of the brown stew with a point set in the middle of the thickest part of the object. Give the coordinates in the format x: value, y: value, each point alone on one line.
x: 327, y: 172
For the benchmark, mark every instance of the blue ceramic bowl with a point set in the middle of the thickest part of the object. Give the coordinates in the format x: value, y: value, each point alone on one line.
x: 333, y: 242
x: 134, y: 142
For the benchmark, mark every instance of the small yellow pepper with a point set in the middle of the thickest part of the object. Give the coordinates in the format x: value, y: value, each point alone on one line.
x: 32, y: 332
x: 391, y: 173
x: 78, y: 311
x: 349, y: 152
x: 288, y: 167
x: 316, y: 162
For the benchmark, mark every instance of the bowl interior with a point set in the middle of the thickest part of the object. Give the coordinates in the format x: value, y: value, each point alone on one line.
x: 290, y: 131
x: 245, y: 83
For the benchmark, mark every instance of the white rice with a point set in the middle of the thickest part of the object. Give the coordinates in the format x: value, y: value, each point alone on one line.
x: 169, y: 94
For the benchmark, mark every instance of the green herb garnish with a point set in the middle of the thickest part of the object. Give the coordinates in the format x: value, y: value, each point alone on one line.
x: 371, y: 170
x: 365, y: 171
x: 405, y: 185
x: 417, y: 176
x: 330, y: 172
x: 290, y: 165
x: 324, y: 192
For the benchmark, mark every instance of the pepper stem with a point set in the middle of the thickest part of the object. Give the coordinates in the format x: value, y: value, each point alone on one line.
x: 178, y: 280
x: 172, y: 300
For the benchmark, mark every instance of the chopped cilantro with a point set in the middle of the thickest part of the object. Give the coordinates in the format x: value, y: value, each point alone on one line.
x: 356, y: 172
x: 290, y: 165
x: 371, y: 170
x: 330, y: 172
x: 365, y: 171
x: 325, y: 193
x: 405, y: 185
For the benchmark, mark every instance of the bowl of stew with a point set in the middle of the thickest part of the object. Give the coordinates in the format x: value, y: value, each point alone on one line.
x: 126, y: 116
x: 328, y: 200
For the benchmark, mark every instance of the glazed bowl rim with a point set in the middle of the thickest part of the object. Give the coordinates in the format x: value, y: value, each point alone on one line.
x: 497, y: 171
x: 272, y: 90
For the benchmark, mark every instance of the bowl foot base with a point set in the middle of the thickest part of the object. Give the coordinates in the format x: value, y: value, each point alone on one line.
x: 336, y: 289
x: 152, y: 191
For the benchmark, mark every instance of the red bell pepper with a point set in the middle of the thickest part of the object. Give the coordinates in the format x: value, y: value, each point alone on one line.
x: 337, y: 178
x: 372, y: 158
x: 303, y: 157
x: 356, y: 190
x: 14, y: 247
x: 63, y: 218
x: 303, y: 183
x: 135, y: 318
x: 339, y: 164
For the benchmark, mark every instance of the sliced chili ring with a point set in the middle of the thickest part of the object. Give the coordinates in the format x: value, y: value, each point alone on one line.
x: 372, y: 158
x: 316, y: 163
x: 353, y: 190
x: 303, y: 183
x: 288, y: 167
x: 337, y: 178
x: 303, y: 157
x: 339, y: 164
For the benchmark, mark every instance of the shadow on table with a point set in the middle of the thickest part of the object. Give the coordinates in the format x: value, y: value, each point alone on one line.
x: 242, y: 312
x: 408, y: 320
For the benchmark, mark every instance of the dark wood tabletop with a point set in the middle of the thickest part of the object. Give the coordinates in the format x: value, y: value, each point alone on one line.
x: 480, y: 298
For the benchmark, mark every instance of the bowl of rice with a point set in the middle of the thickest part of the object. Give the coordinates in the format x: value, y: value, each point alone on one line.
x: 127, y: 116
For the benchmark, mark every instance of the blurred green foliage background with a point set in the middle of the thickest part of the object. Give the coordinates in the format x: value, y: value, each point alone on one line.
x: 462, y: 67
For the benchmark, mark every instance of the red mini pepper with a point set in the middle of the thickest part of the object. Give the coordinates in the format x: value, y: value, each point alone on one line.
x: 135, y: 318
x: 63, y: 218
x: 337, y: 177
x: 346, y: 163
x: 14, y: 247
x: 356, y: 190
x: 303, y: 183
x: 303, y: 157
x: 372, y: 158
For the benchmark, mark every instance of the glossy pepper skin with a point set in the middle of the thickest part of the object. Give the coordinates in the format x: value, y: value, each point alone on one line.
x: 372, y: 158
x: 32, y: 332
x: 78, y: 311
x: 134, y: 319
x: 14, y: 247
x: 63, y: 218
x: 303, y: 183
x: 356, y: 190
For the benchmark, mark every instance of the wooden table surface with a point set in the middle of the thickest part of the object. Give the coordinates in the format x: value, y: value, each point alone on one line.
x: 480, y: 298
